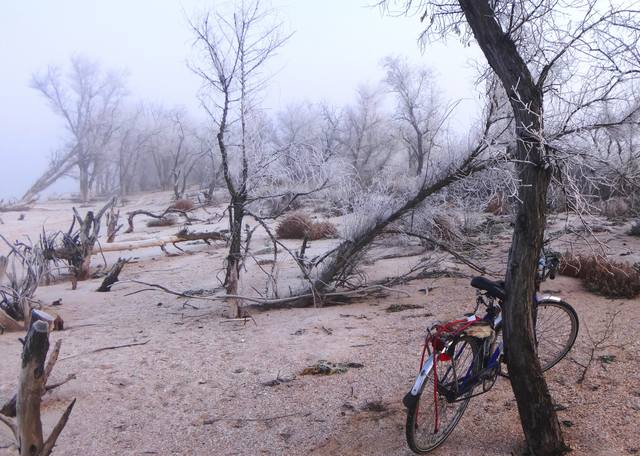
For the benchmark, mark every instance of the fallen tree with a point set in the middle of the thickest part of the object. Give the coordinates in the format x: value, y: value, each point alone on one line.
x: 338, y: 264
x: 16, y: 206
x: 182, y: 236
x: 57, y: 168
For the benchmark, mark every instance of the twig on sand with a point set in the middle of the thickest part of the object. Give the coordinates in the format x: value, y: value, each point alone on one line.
x: 268, y: 418
x: 351, y: 293
x: 112, y: 347
x: 596, y: 345
x: 242, y: 319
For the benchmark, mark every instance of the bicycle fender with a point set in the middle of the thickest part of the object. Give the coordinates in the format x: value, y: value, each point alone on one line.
x: 426, y: 368
x: 548, y: 298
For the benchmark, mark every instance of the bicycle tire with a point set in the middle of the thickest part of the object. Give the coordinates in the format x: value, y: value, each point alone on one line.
x: 419, y: 442
x: 559, y: 314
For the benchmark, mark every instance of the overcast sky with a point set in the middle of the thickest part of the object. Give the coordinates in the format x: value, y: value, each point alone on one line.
x: 337, y: 45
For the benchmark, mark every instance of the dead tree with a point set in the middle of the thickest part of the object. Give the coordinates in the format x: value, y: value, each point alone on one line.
x: 27, y: 426
x: 77, y: 246
x: 419, y: 113
x: 112, y: 276
x: 366, y: 140
x: 235, y: 49
x: 23, y: 269
x: 9, y: 409
x: 113, y: 217
x: 88, y: 102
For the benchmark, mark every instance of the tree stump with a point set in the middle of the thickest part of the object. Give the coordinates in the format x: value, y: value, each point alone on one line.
x: 27, y: 426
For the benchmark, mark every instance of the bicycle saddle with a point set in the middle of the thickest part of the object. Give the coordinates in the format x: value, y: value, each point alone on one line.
x: 493, y: 289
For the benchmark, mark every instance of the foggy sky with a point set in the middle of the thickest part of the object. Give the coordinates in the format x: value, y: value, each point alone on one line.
x: 337, y: 45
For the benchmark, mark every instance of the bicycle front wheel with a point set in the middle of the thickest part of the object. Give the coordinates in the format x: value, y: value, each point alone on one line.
x: 556, y: 331
x: 434, y: 415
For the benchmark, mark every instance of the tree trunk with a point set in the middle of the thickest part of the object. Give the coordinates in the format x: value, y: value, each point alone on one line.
x: 36, y: 345
x: 27, y: 427
x: 84, y: 180
x: 538, y: 417
x: 51, y: 175
x: 234, y: 258
x: 420, y: 151
x: 113, y: 275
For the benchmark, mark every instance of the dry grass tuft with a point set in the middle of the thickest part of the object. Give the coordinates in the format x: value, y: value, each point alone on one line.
x: 182, y: 205
x: 299, y: 226
x: 610, y: 278
x: 323, y: 230
x: 294, y: 226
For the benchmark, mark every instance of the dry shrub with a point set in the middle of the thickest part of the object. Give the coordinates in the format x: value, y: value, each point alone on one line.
x: 163, y: 221
x: 294, y: 226
x: 182, y: 205
x: 498, y: 205
x: 323, y: 230
x: 610, y: 278
x: 635, y: 228
x: 446, y: 228
x: 299, y: 226
x: 616, y: 207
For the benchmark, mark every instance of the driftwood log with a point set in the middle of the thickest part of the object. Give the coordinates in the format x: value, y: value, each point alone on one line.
x: 16, y: 206
x: 170, y: 210
x: 27, y: 425
x: 112, y: 276
x: 182, y: 236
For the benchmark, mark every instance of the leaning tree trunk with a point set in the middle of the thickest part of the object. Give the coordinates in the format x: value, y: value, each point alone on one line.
x: 538, y: 417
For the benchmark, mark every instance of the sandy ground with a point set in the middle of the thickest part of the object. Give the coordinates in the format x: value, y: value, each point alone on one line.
x: 203, y: 386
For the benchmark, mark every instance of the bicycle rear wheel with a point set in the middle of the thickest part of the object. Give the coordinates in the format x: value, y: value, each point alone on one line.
x: 556, y: 331
x: 431, y: 417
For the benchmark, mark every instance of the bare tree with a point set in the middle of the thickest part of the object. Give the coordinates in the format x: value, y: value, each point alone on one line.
x: 419, y: 111
x: 366, y: 139
x: 538, y: 50
x: 88, y: 101
x: 131, y: 145
x: 234, y: 51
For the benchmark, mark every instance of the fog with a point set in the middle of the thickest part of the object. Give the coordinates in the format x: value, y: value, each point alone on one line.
x: 335, y: 46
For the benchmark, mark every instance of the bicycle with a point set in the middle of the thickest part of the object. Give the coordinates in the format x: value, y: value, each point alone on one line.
x: 467, y: 353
